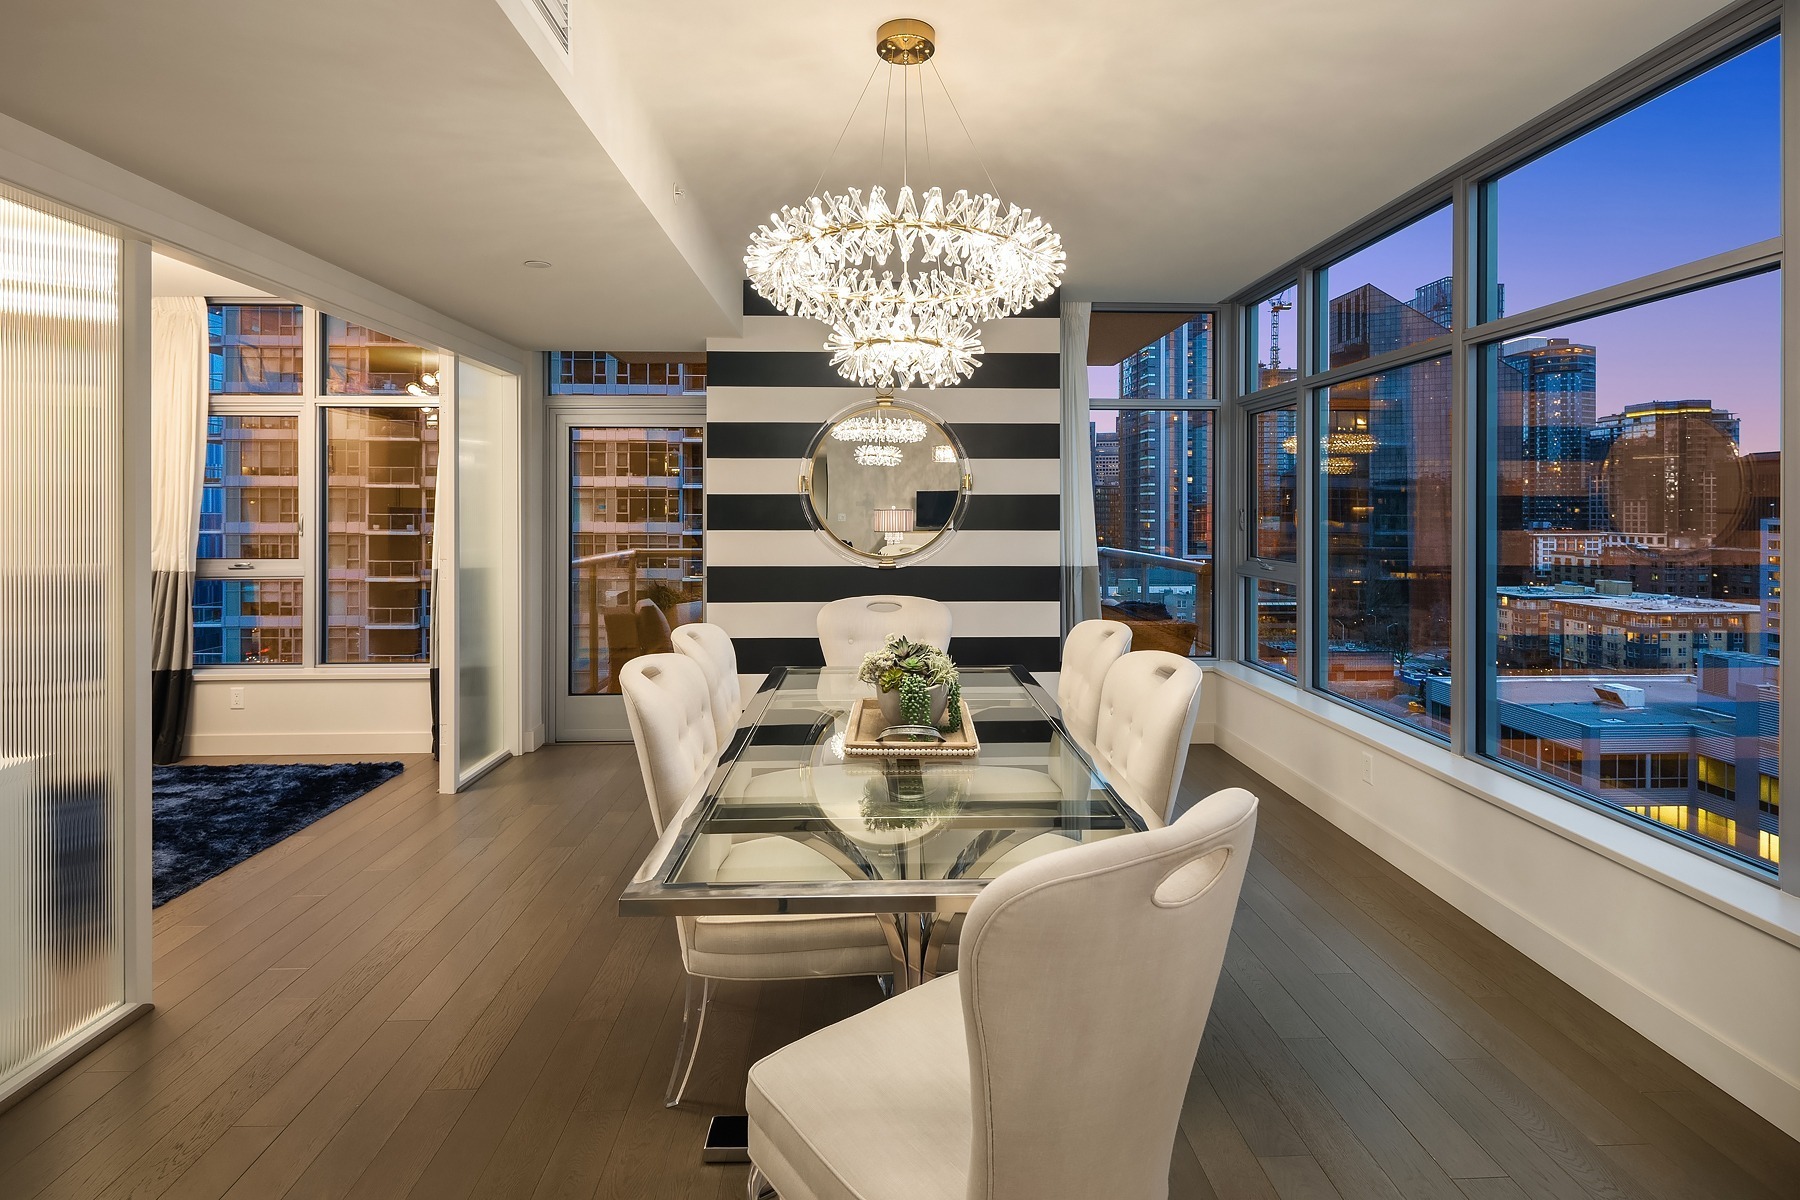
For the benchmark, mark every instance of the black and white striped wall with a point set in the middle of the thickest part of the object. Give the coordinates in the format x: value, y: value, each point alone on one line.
x: 767, y: 571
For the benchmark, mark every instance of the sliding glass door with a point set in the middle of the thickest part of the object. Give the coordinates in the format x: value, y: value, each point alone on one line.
x: 66, y: 655
x: 632, y: 520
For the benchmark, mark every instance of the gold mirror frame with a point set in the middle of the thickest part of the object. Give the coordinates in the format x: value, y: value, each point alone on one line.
x: 815, y: 479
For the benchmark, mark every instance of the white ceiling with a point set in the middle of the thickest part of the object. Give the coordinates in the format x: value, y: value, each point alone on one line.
x: 417, y: 143
x: 1182, y: 147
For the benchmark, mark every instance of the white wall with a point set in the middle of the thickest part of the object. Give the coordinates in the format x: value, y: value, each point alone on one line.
x: 311, y: 714
x: 1701, y: 959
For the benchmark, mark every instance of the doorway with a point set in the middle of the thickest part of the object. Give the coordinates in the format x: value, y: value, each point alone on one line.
x: 630, y: 566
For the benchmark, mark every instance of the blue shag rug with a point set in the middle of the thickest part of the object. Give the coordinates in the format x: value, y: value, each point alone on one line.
x: 207, y: 819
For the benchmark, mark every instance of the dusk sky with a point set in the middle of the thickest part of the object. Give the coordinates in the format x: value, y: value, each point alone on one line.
x: 1692, y: 173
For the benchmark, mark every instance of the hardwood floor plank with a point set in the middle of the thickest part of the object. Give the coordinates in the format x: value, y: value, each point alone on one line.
x: 404, y: 1155
x: 1277, y: 1007
x: 1262, y: 1124
x: 1414, y: 1172
x: 1186, y: 1180
x: 1345, y: 1160
x: 1218, y: 1145
x: 213, y: 1174
x: 1425, y: 1119
x: 1544, y: 1125
x: 1299, y: 1178
x: 1499, y: 1188
x: 1747, y: 1139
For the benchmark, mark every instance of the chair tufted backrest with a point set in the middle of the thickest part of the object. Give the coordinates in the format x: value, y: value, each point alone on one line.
x: 711, y: 648
x: 1086, y: 978
x: 670, y: 712
x: 652, y: 629
x: 849, y: 629
x: 1148, y: 705
x: 1089, y: 652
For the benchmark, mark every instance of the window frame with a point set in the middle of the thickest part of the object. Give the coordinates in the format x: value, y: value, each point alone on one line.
x: 1217, y: 406
x: 308, y: 407
x: 1474, y: 718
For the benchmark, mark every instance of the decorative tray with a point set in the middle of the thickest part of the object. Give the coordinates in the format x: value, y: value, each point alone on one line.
x: 862, y: 738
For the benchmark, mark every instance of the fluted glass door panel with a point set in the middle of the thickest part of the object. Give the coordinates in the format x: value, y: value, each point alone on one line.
x: 62, y: 761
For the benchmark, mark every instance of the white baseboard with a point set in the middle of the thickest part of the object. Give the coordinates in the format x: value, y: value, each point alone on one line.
x: 1762, y: 1085
x: 534, y: 738
x: 339, y: 742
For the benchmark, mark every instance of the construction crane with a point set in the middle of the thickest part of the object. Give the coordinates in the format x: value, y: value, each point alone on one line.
x: 1277, y: 306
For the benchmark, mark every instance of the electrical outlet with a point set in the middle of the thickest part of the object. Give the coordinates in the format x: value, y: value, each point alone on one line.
x: 1368, y: 768
x: 237, y: 697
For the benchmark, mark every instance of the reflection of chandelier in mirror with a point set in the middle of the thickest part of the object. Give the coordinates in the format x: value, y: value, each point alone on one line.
x: 1336, y: 443
x: 879, y: 427
x: 873, y: 454
x: 963, y: 259
x: 943, y: 454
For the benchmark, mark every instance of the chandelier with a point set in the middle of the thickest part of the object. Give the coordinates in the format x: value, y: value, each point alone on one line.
x: 873, y: 454
x: 960, y: 260
x: 879, y: 427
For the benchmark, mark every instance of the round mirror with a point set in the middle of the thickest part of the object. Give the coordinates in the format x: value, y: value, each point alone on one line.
x: 884, y: 482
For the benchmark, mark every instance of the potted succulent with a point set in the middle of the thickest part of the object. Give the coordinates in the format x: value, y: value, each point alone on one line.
x: 915, y: 683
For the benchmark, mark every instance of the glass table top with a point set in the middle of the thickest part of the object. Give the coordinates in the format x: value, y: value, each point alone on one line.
x: 789, y: 823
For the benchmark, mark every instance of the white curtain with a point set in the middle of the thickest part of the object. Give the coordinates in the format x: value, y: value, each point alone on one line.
x: 178, y: 401
x: 1080, y: 545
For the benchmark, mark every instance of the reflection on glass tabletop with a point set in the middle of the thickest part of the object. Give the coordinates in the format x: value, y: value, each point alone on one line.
x: 790, y: 823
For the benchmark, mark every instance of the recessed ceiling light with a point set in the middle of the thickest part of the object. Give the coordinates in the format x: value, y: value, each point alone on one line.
x: 538, y: 263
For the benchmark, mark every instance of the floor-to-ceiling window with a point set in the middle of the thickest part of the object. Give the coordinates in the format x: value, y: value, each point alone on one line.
x: 314, y: 416
x: 1635, y: 460
x: 1520, y: 444
x: 1152, y: 430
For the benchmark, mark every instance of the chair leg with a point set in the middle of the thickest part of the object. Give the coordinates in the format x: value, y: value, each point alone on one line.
x: 693, y: 1021
x: 759, y: 1187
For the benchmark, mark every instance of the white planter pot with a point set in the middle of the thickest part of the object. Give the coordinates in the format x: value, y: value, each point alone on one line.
x: 890, y: 704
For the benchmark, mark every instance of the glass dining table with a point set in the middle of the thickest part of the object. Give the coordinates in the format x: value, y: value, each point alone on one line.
x: 916, y: 838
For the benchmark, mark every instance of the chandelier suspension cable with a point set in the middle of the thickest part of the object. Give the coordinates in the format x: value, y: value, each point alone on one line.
x: 957, y: 113
x: 924, y: 120
x: 854, y: 109
x: 887, y: 117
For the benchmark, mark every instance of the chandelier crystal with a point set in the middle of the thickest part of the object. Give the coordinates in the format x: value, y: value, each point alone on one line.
x: 904, y: 284
x: 872, y: 454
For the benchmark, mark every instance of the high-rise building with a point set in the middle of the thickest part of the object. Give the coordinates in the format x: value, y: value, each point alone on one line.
x: 1175, y: 367
x: 1109, y: 509
x: 1556, y: 380
x: 1387, y: 462
x: 1164, y: 484
x: 1672, y: 470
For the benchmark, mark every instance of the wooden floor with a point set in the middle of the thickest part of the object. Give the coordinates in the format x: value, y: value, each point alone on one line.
x: 434, y: 996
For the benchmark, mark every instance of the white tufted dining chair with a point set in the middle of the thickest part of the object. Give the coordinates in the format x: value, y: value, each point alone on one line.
x: 1052, y: 1064
x: 1089, y: 652
x: 1148, y: 706
x: 849, y: 629
x: 710, y: 647
x: 668, y: 705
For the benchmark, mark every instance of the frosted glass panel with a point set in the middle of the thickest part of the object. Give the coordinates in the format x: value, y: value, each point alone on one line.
x: 485, y: 410
x: 61, y: 758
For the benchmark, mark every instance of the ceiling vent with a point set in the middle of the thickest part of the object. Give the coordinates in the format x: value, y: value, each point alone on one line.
x: 556, y: 13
